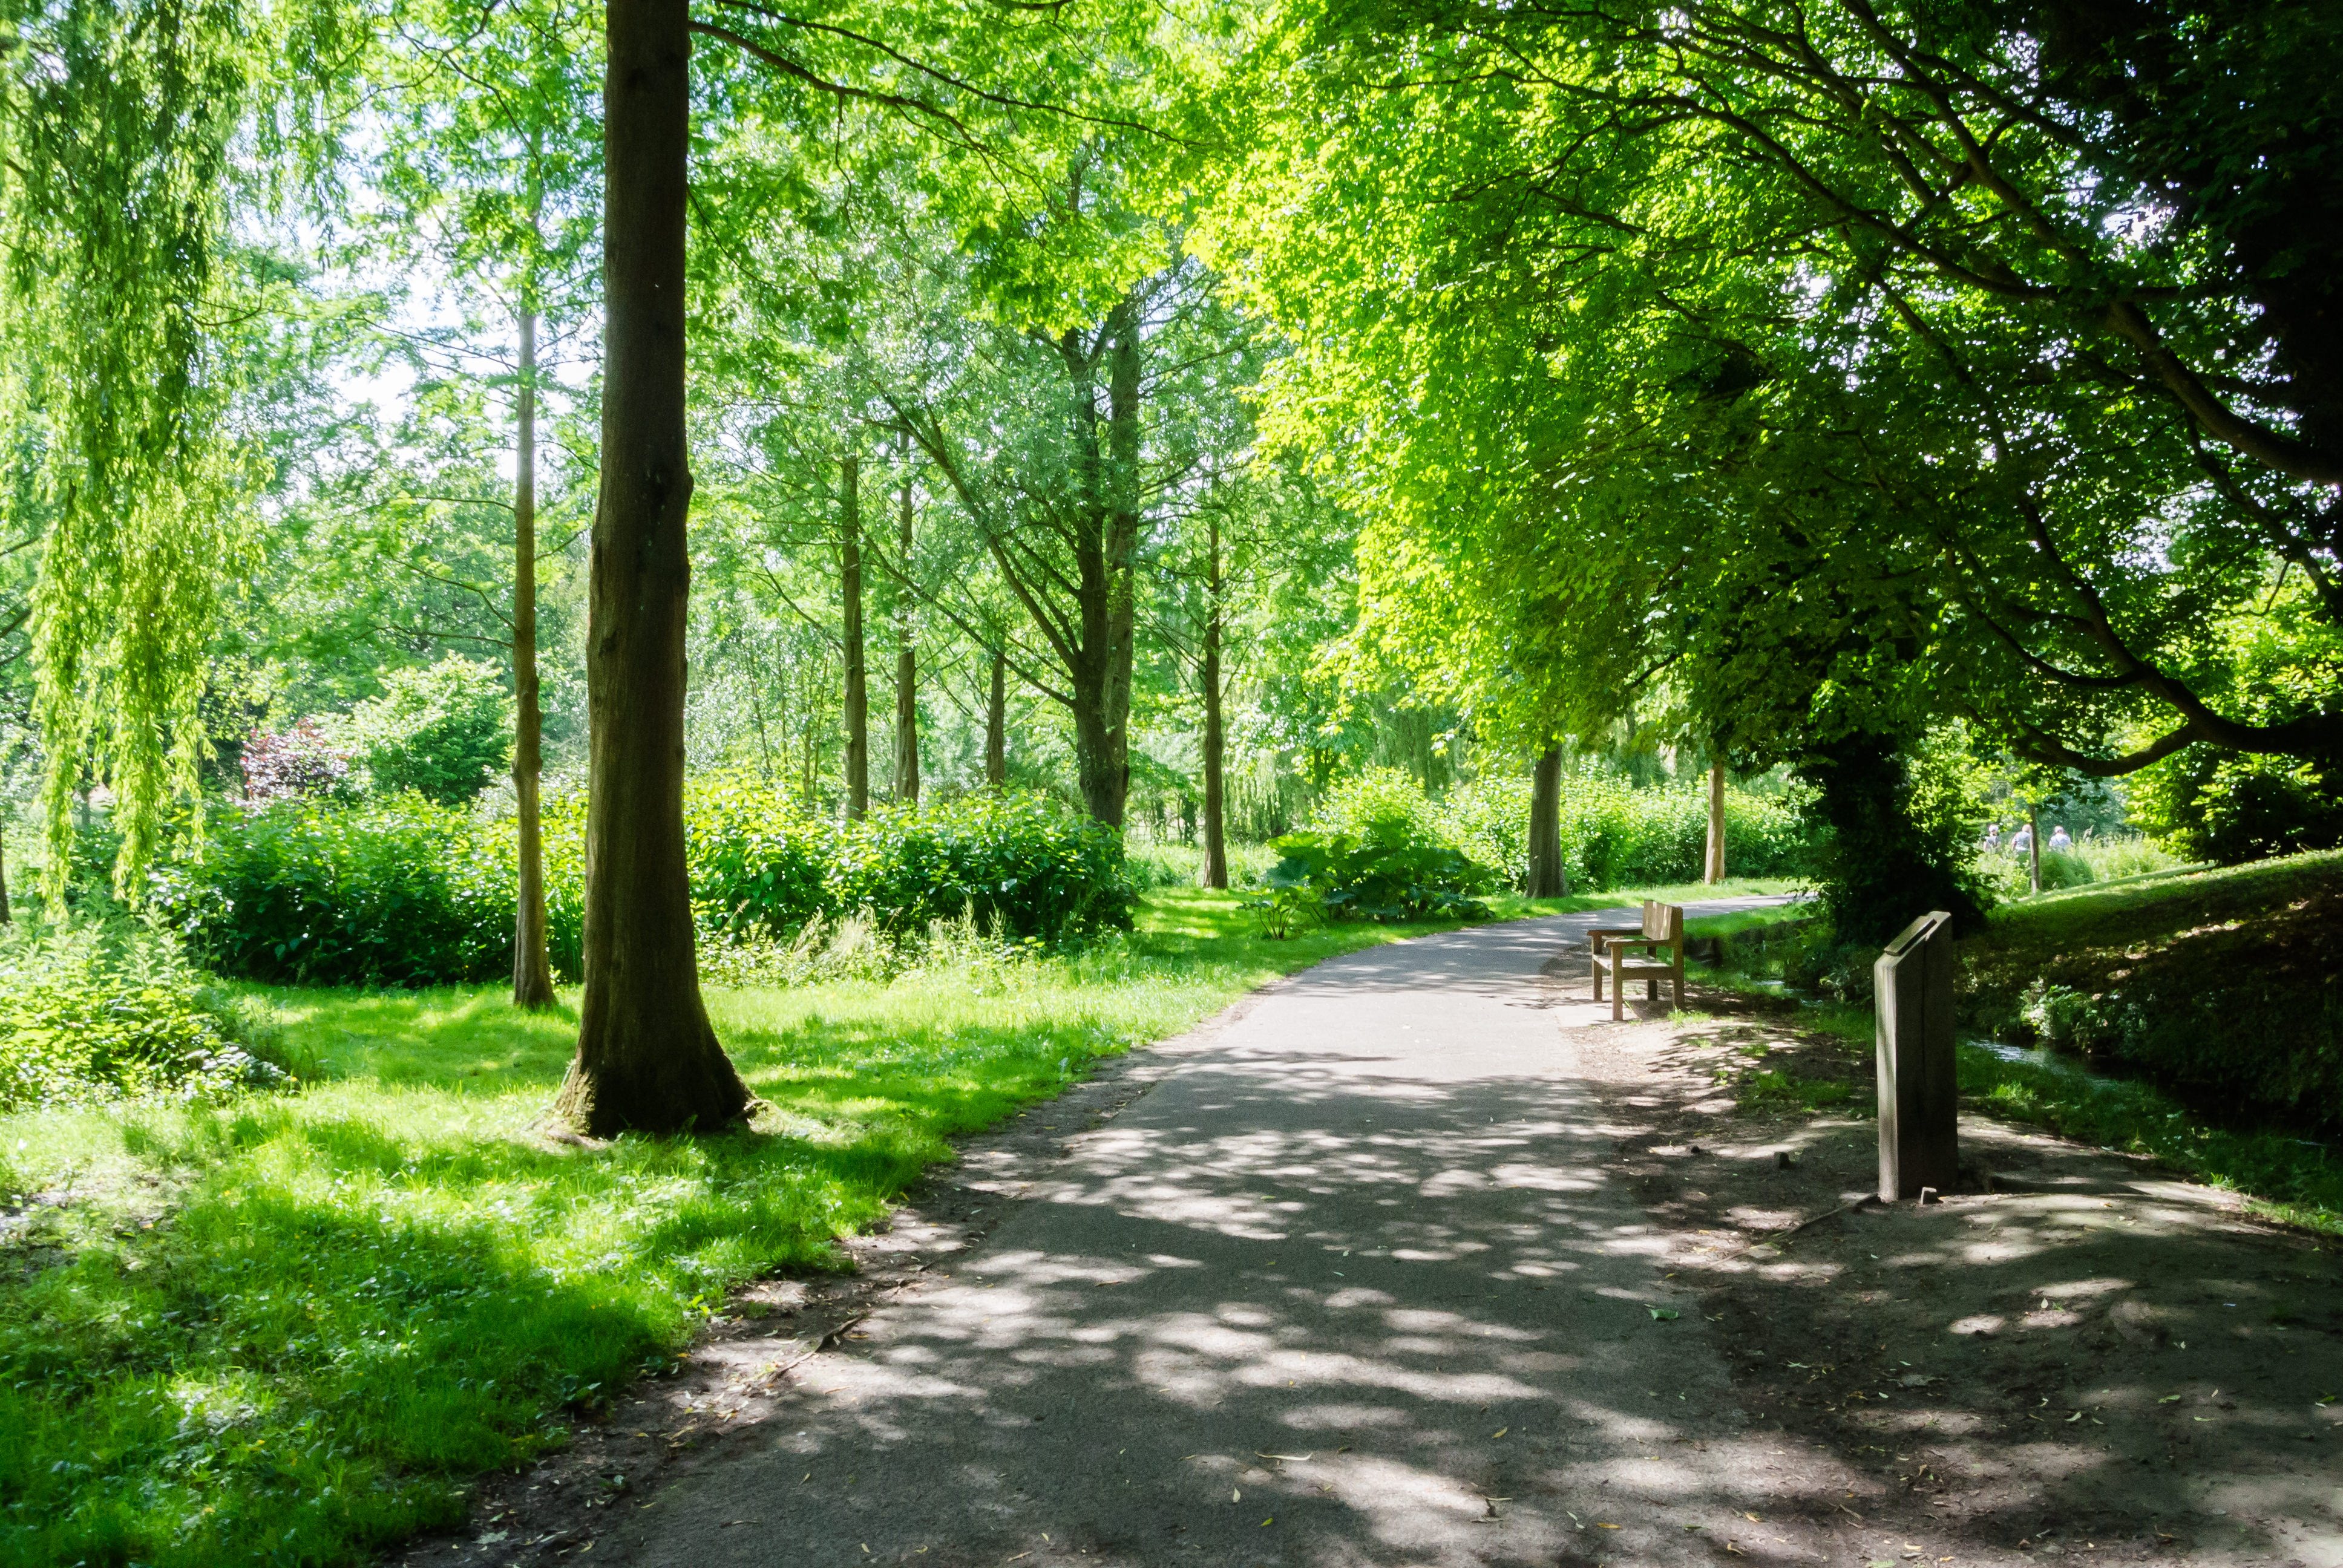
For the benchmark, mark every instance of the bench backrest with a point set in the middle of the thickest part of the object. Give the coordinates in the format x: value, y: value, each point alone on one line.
x: 1662, y: 923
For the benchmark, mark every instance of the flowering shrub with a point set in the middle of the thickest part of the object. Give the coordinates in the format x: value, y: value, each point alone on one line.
x: 286, y: 765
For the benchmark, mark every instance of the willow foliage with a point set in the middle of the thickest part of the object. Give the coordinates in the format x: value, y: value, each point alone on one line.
x: 128, y: 127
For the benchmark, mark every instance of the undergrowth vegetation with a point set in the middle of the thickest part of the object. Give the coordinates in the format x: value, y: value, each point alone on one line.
x: 102, y: 1012
x: 397, y: 890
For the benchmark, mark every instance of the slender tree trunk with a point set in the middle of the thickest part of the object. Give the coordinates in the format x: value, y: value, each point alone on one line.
x: 1216, y: 848
x: 849, y: 587
x: 907, y: 668
x: 2033, y: 848
x: 5, y: 917
x: 1548, y: 876
x: 996, y: 725
x: 532, y: 965
x: 1712, y: 871
x: 646, y: 1058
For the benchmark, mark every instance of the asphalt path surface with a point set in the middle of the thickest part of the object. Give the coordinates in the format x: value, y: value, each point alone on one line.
x: 1351, y: 1285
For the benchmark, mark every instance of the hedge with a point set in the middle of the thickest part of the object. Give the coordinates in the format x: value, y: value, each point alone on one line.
x: 402, y: 892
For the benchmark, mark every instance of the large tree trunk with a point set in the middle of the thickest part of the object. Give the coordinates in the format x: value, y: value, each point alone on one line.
x: 1712, y: 871
x: 1100, y: 673
x: 646, y: 1058
x: 1216, y: 848
x: 850, y: 588
x: 1548, y: 876
x: 907, y: 669
x: 532, y: 966
x: 996, y: 724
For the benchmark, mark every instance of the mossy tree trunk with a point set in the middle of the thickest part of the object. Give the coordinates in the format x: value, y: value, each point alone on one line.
x: 647, y: 1058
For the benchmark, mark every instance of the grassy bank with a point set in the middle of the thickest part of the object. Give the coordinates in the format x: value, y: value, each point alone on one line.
x: 2234, y: 966
x: 286, y: 1329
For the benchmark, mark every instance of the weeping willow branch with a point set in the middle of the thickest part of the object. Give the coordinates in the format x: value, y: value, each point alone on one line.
x: 119, y: 119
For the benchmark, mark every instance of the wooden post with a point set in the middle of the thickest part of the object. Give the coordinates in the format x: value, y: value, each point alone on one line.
x: 1918, y: 1089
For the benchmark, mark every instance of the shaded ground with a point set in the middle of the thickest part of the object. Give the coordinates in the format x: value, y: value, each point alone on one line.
x: 1413, y: 1262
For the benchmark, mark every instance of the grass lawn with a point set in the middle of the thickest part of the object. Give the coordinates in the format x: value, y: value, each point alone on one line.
x: 286, y: 1329
x: 2180, y: 981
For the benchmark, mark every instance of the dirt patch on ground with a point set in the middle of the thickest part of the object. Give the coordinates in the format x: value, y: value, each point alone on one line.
x: 2081, y: 1356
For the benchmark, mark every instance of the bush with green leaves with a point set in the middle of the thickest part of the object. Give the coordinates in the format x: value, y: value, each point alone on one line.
x: 383, y: 892
x: 1615, y: 834
x: 403, y: 892
x: 100, y: 1011
x: 1021, y: 863
x: 443, y: 732
x: 1378, y: 850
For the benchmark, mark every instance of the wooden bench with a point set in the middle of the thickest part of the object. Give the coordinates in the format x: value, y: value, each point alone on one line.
x: 1636, y: 952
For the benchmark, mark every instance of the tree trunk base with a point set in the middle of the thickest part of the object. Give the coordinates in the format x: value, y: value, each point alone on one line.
x: 668, y: 1087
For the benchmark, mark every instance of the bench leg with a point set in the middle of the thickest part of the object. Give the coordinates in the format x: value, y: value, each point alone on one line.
x: 1651, y: 991
x: 1598, y: 977
x: 1618, y: 996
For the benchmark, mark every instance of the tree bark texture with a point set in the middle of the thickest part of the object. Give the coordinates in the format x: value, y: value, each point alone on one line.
x: 1548, y: 876
x: 907, y: 668
x: 1713, y: 869
x: 647, y: 1058
x: 532, y: 965
x: 850, y: 589
x: 1216, y: 848
x: 996, y: 725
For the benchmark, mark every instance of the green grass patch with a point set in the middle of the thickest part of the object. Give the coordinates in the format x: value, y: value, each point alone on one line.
x: 286, y: 1328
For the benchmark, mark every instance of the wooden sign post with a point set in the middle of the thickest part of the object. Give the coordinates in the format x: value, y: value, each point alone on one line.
x: 1918, y: 1090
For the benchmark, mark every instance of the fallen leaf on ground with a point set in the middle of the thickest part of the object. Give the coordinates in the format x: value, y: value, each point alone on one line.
x: 1666, y: 1314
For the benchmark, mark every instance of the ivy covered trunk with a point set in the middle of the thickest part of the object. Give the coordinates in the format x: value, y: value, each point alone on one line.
x: 647, y: 1058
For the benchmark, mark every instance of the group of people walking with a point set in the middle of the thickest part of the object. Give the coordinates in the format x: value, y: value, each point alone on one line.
x: 2022, y: 841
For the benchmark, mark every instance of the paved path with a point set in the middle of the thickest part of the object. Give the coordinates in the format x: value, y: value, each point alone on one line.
x: 1352, y: 1286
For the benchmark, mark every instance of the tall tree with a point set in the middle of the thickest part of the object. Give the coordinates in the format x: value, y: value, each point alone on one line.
x: 1549, y: 877
x: 647, y: 1057
x: 906, y: 667
x: 850, y: 590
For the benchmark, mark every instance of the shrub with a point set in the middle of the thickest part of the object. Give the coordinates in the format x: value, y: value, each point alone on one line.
x: 443, y: 732
x: 408, y: 893
x: 1377, y: 850
x: 397, y: 892
x: 1021, y: 863
x: 2208, y: 805
x: 302, y: 761
x: 99, y: 1012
